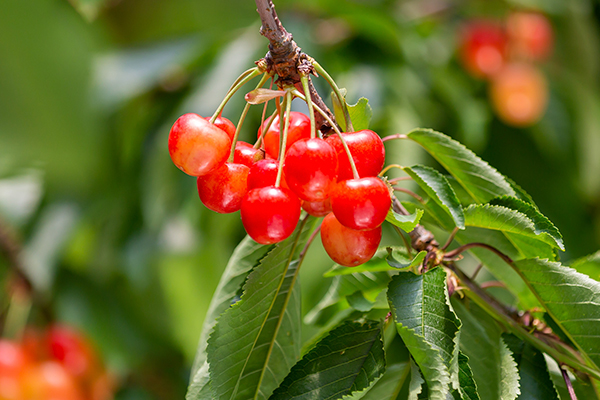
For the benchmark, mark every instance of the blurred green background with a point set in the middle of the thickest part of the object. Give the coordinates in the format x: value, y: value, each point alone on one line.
x: 114, y: 236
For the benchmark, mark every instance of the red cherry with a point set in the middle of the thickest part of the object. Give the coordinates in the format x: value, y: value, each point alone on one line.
x: 224, y: 124
x: 530, y: 35
x: 317, y: 208
x: 310, y: 168
x: 223, y: 190
x: 246, y: 154
x: 14, y: 361
x: 270, y: 214
x: 483, y: 48
x: 264, y: 173
x: 196, y: 146
x: 367, y: 152
x: 299, y: 128
x: 361, y: 204
x: 50, y: 380
x: 73, y: 351
x: 519, y: 94
x: 347, y: 246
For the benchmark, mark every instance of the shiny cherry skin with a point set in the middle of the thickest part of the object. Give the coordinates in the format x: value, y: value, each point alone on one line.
x: 317, y: 208
x: 310, y: 168
x: 348, y: 247
x: 264, y: 173
x: 530, y: 34
x: 367, y: 152
x: 519, y: 94
x: 196, y: 146
x: 225, y: 125
x: 483, y: 49
x: 223, y: 189
x: 270, y: 214
x: 361, y: 204
x: 299, y: 128
x: 246, y: 154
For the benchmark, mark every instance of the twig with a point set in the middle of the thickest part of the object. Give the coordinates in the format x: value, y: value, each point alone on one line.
x: 451, y: 254
x: 568, y: 382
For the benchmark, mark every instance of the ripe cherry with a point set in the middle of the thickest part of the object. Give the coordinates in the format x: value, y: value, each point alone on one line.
x: 519, y: 94
x: 367, y: 152
x: 483, y: 48
x: 361, y: 204
x: 50, y: 380
x: 246, y: 154
x: 14, y: 361
x: 223, y: 189
x: 311, y: 169
x: 299, y: 128
x: 73, y: 351
x: 224, y: 124
x: 317, y: 208
x: 530, y: 35
x: 264, y: 173
x: 270, y: 214
x: 196, y: 146
x: 347, y: 246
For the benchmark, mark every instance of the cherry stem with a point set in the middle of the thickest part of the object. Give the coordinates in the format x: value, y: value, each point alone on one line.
x: 392, y: 137
x: 241, y: 81
x: 568, y: 383
x: 386, y: 169
x: 451, y: 254
x: 320, y: 70
x: 490, y: 284
x: 450, y: 239
x: 410, y: 193
x: 283, y: 138
x: 402, y: 178
x: 312, y: 237
x: 267, y: 126
x: 309, y: 103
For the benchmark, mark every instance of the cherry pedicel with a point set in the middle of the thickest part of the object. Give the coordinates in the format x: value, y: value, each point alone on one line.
x: 223, y: 189
x: 270, y: 214
x: 367, y: 152
x: 311, y: 168
x: 196, y: 146
x: 226, y: 125
x: 361, y: 204
x: 348, y: 247
x: 299, y: 128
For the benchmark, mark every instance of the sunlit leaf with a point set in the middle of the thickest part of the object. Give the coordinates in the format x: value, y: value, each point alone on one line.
x: 405, y: 222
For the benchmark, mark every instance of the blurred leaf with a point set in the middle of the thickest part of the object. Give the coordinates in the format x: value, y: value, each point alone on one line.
x: 439, y: 190
x: 476, y: 176
x: 376, y: 264
x: 390, y: 384
x: 589, y: 265
x: 89, y: 9
x: 20, y: 197
x: 405, y: 222
x: 347, y: 360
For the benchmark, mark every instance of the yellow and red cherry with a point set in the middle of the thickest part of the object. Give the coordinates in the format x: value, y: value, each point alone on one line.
x: 224, y: 124
x: 311, y: 168
x: 367, y: 152
x: 348, y: 247
x: 223, y: 189
x: 51, y: 380
x: 361, y: 204
x: 299, y: 128
x: 270, y: 214
x: 73, y: 351
x: 530, y: 34
x: 483, y: 49
x: 196, y: 146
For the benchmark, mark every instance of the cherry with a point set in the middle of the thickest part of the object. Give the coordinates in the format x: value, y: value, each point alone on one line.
x: 246, y: 154
x: 347, y: 246
x: 299, y: 128
x: 311, y: 169
x: 14, y: 361
x: 367, y: 152
x: 196, y: 146
x: 519, y: 94
x: 73, y: 351
x: 223, y: 189
x: 361, y: 204
x: 264, y: 173
x: 483, y: 48
x: 270, y: 214
x: 50, y: 380
x: 530, y: 35
x: 224, y: 124
x: 317, y: 208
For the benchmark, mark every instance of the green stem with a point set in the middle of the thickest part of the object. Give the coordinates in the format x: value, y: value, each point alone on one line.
x: 309, y: 103
x: 241, y: 81
x: 283, y: 138
x: 320, y: 70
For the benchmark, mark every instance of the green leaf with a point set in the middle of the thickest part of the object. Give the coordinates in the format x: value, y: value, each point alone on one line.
x: 417, y: 384
x: 541, y: 223
x: 492, y: 365
x: 514, y: 223
x: 257, y: 340
x: 360, y: 113
x: 439, y: 190
x: 405, y: 222
x: 243, y: 259
x: 347, y: 360
x: 589, y: 265
x: 572, y: 300
x: 534, y: 378
x: 468, y: 387
x: 406, y: 263
x: 379, y: 262
x: 428, y: 326
x: 390, y: 384
x: 476, y: 176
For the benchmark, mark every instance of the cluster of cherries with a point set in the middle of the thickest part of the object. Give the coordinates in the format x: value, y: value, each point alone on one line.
x: 333, y: 177
x: 57, y: 364
x: 505, y: 53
